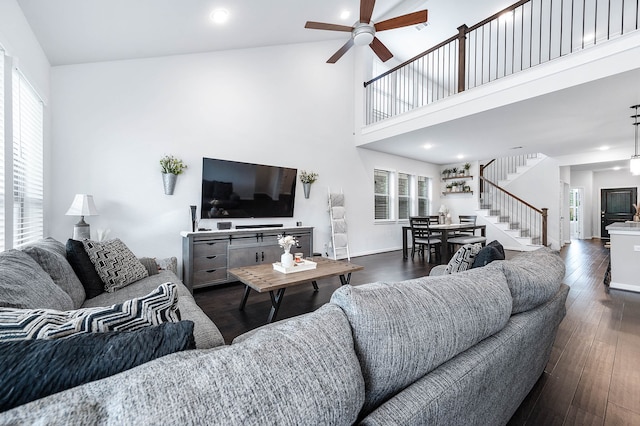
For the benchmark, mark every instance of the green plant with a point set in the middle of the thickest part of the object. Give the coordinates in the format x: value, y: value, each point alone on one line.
x: 467, y: 166
x: 454, y: 170
x: 171, y: 164
x: 445, y: 172
x: 308, y: 177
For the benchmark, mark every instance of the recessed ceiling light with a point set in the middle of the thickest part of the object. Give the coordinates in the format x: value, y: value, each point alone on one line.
x: 219, y: 16
x: 345, y: 14
x: 427, y: 146
x: 617, y: 168
x: 603, y: 148
x: 460, y: 156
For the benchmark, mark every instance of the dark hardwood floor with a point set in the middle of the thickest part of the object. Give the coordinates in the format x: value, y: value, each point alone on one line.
x: 592, y: 378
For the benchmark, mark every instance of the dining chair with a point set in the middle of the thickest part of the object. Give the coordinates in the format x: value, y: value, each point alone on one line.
x: 466, y: 236
x: 422, y: 236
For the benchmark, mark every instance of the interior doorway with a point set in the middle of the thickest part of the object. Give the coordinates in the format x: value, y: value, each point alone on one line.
x: 576, y: 222
x: 616, y: 205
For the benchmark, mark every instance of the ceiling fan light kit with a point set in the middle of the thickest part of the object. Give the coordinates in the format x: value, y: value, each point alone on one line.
x: 363, y: 34
x: 364, y: 31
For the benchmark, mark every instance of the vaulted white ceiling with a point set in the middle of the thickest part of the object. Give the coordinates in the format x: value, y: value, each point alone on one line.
x: 573, y: 121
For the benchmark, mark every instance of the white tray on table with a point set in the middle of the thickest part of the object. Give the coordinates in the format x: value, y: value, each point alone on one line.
x: 304, y: 265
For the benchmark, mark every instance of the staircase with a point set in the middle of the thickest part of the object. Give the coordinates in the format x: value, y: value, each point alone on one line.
x: 520, y: 225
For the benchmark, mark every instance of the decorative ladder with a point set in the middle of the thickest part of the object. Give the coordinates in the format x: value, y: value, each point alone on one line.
x: 338, y: 219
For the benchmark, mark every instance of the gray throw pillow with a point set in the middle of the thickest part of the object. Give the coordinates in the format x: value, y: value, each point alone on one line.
x: 26, y: 285
x: 47, y: 253
x: 116, y: 265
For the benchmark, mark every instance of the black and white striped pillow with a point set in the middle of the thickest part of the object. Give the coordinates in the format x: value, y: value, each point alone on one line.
x: 159, y: 306
x: 463, y: 258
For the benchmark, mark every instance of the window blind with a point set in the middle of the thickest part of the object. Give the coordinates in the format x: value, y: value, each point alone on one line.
x: 2, y: 168
x: 382, y: 199
x: 423, y: 196
x: 28, y: 205
x: 404, y: 196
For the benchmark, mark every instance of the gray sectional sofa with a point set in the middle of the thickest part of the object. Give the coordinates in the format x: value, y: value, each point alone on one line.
x: 461, y: 349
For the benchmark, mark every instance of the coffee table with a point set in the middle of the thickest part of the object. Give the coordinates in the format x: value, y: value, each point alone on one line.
x: 262, y: 278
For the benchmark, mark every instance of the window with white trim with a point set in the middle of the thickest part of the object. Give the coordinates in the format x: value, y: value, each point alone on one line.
x: 382, y: 194
x: 27, y: 162
x: 423, y: 195
x: 404, y: 196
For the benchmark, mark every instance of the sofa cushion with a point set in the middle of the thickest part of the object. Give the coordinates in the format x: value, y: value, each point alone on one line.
x: 26, y: 285
x: 51, y: 256
x: 205, y: 331
x: 155, y: 308
x: 301, y: 372
x: 463, y: 258
x: 436, y: 317
x: 116, y: 265
x: 533, y: 277
x: 32, y: 369
x: 84, y: 269
x: 489, y: 253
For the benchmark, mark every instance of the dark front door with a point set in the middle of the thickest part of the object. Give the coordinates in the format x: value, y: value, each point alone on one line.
x: 617, y: 206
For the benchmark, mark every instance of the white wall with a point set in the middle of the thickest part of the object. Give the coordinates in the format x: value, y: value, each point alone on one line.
x: 279, y: 105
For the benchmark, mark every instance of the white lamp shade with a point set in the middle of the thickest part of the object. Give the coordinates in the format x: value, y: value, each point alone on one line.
x: 634, y: 165
x: 82, y: 205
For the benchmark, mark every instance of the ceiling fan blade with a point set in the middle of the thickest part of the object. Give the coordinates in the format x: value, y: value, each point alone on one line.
x: 402, y: 21
x: 340, y: 52
x: 381, y: 50
x: 331, y: 27
x: 366, y: 10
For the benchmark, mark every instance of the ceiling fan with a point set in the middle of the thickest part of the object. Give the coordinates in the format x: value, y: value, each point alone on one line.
x: 363, y: 32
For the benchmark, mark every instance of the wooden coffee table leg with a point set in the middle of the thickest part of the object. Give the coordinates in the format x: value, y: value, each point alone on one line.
x: 245, y: 296
x: 315, y: 285
x: 275, y: 304
x: 345, y: 280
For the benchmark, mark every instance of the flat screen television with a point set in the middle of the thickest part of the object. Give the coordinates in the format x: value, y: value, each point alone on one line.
x: 232, y: 189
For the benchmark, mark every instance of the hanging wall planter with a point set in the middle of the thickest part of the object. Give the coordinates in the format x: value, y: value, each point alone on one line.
x: 307, y: 189
x: 171, y: 168
x: 169, y: 181
x: 307, y: 179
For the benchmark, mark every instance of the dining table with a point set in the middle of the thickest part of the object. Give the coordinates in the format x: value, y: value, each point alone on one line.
x: 445, y: 231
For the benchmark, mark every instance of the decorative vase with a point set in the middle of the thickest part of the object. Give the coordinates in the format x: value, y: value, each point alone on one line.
x: 169, y: 180
x: 286, y: 259
x: 307, y: 189
x: 636, y: 218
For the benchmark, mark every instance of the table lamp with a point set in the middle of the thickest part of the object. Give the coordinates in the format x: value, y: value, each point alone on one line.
x: 82, y: 206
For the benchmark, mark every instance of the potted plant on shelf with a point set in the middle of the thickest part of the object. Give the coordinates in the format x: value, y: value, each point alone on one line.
x: 171, y: 168
x: 445, y: 173
x: 307, y: 178
x: 449, y: 187
x: 454, y: 171
x: 454, y: 186
x: 467, y: 167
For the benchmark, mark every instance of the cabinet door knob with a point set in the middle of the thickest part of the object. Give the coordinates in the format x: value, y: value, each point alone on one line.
x: 211, y: 257
x: 256, y: 257
x: 210, y: 271
x: 263, y: 256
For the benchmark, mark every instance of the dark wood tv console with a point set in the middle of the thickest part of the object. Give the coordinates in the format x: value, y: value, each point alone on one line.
x: 208, y: 255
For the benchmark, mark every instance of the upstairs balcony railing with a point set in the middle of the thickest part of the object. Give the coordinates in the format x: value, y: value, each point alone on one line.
x: 525, y: 34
